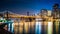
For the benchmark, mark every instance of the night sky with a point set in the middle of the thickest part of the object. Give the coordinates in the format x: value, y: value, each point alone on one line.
x: 22, y: 6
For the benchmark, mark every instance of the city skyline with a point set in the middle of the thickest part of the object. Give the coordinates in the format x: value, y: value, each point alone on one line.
x: 30, y: 17
x: 22, y: 6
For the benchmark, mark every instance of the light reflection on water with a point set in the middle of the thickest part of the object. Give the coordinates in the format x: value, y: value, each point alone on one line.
x: 11, y: 27
x: 38, y: 28
x: 50, y: 27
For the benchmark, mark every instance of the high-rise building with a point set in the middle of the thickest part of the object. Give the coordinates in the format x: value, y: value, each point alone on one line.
x: 44, y: 12
x: 49, y: 13
x: 56, y: 11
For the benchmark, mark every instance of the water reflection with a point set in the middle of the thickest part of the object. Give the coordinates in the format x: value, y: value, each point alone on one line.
x: 38, y: 28
x: 11, y: 27
x: 50, y: 27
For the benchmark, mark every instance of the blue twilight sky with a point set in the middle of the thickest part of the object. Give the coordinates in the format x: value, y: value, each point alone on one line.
x: 22, y: 6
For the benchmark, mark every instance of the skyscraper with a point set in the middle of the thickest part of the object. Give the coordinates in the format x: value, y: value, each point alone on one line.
x: 44, y: 12
x: 56, y: 11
